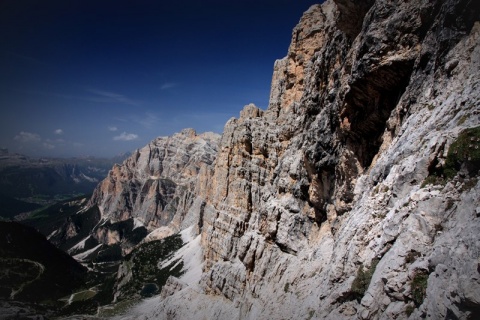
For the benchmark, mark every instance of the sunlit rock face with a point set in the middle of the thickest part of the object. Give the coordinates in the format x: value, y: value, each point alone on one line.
x: 327, y: 186
x: 157, y: 186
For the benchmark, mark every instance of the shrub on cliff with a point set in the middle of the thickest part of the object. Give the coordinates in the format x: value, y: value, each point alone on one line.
x: 362, y: 281
x: 464, y: 153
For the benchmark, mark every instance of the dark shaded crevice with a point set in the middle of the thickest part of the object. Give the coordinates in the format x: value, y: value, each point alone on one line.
x: 126, y: 199
x: 249, y: 202
x: 248, y: 146
x: 320, y: 216
x: 424, y: 62
x: 284, y: 248
x: 200, y: 218
x: 223, y: 284
x: 321, y: 178
x: 227, y: 178
x: 251, y: 265
x: 368, y: 106
x: 156, y: 198
x: 137, y: 155
x: 352, y: 14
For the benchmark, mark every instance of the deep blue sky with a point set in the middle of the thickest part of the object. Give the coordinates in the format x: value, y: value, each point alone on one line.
x: 101, y: 77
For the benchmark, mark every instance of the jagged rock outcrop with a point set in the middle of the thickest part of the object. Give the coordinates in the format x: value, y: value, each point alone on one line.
x: 155, y: 187
x: 322, y: 206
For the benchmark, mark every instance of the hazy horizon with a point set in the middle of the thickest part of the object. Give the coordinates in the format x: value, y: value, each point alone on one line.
x: 85, y: 78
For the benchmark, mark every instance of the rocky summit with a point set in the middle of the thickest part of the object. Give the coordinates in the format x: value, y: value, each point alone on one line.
x: 355, y: 195
x: 156, y: 187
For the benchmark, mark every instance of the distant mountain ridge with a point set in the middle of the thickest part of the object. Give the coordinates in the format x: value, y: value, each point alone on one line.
x: 37, y: 179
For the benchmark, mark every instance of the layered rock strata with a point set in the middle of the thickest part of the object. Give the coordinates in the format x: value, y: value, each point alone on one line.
x: 156, y: 187
x: 320, y: 206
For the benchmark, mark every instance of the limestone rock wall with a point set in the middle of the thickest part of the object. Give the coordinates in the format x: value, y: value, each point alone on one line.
x: 327, y: 184
x: 157, y: 186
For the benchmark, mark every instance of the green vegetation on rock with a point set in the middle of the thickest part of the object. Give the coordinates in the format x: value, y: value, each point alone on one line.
x: 463, y: 154
x: 419, y: 287
x: 409, y: 310
x: 362, y: 281
x: 142, y: 265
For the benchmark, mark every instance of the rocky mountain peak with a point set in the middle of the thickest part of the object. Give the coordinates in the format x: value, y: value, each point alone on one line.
x: 354, y: 195
x: 157, y: 185
x: 322, y: 204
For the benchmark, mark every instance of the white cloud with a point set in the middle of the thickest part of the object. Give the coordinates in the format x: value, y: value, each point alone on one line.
x: 58, y: 131
x: 57, y: 141
x: 24, y: 136
x: 149, y: 120
x: 126, y: 137
x: 106, y: 96
x: 112, y: 128
x: 97, y: 96
x: 167, y: 85
x: 48, y: 146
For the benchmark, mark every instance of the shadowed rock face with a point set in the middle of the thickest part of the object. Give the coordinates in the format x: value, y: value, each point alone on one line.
x: 329, y: 177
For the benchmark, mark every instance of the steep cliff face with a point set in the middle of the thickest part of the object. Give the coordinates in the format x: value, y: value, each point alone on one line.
x: 155, y: 187
x: 345, y: 198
